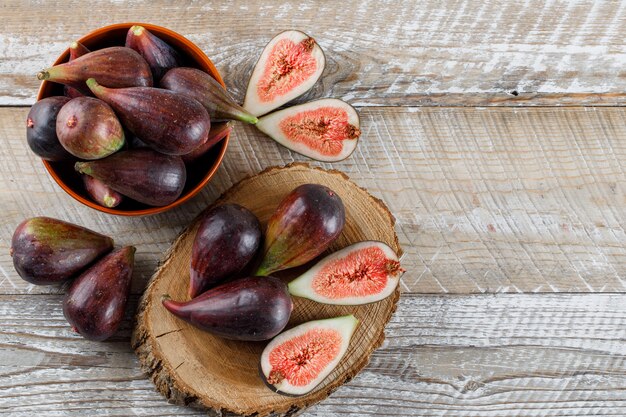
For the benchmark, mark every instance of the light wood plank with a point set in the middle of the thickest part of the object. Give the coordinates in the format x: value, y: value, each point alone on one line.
x: 452, y: 52
x: 509, y: 355
x: 486, y: 200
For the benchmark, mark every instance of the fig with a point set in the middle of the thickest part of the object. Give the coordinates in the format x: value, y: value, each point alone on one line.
x: 77, y: 49
x: 114, y: 67
x: 168, y: 122
x: 218, y: 132
x: 101, y: 193
x: 158, y: 54
x: 95, y: 303
x: 41, y: 133
x: 47, y: 251
x: 88, y: 128
x: 142, y: 174
x: 361, y: 273
x: 201, y: 86
x: 298, y: 360
x: 326, y: 130
x: 305, y: 223
x: 289, y: 66
x: 227, y: 239
x: 251, y: 308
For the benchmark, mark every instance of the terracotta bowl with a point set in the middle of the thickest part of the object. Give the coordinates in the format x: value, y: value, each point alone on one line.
x: 198, y: 174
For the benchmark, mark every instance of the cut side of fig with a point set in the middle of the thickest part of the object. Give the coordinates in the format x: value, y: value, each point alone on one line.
x: 299, y: 359
x: 326, y: 130
x: 289, y: 66
x: 358, y: 274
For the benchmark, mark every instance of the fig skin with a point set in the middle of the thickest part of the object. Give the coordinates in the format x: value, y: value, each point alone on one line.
x: 142, y: 174
x: 41, y: 133
x: 158, y: 54
x: 115, y: 67
x: 76, y: 49
x: 305, y: 223
x: 168, y: 122
x: 88, y: 129
x: 101, y: 193
x: 218, y: 132
x: 48, y: 251
x: 205, y: 89
x: 228, y: 237
x: 251, y: 309
x: 95, y: 303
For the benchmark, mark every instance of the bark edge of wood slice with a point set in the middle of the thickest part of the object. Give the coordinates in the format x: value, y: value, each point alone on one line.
x: 194, y: 368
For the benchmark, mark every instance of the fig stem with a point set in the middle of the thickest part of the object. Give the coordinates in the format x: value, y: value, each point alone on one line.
x: 165, y: 297
x: 137, y: 30
x: 43, y: 75
x: 83, y: 168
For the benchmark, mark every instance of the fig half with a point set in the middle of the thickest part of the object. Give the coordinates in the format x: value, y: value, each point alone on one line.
x: 298, y: 360
x: 358, y: 274
x: 289, y: 66
x: 326, y: 130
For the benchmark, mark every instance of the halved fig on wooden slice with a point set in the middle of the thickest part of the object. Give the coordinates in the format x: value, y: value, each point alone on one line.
x: 298, y: 360
x: 326, y: 130
x: 361, y: 273
x: 289, y: 66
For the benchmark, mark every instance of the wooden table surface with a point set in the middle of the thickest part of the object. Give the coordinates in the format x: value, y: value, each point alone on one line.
x: 494, y: 131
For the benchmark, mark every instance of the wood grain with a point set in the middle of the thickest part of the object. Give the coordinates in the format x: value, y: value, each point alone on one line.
x: 482, y: 355
x: 486, y: 200
x: 452, y: 52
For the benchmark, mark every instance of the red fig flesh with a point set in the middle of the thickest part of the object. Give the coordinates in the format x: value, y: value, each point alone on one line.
x: 114, y: 67
x: 289, y: 66
x: 158, y: 54
x: 141, y: 174
x: 101, y: 193
x: 41, y: 125
x: 88, y: 128
x: 47, y: 251
x: 201, y: 86
x: 305, y: 223
x: 168, y: 122
x: 299, y: 359
x: 95, y: 303
x: 253, y: 308
x: 218, y: 132
x: 358, y: 274
x: 326, y: 130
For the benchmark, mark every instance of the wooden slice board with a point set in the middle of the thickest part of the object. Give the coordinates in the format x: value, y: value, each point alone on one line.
x: 192, y: 367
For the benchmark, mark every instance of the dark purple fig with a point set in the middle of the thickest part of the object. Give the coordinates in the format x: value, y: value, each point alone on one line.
x: 88, y: 128
x: 305, y: 223
x: 168, y: 122
x: 47, y: 251
x: 114, y: 67
x: 227, y: 239
x: 158, y: 54
x: 101, y: 193
x: 252, y: 308
x: 41, y: 132
x: 201, y: 86
x: 141, y: 174
x: 95, y: 303
x: 218, y: 132
x: 77, y: 49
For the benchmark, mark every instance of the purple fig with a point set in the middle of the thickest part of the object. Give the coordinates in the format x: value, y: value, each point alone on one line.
x: 168, y: 122
x: 88, y: 128
x: 101, y: 193
x: 48, y: 251
x: 77, y: 49
x: 201, y: 86
x: 114, y: 67
x: 305, y: 223
x: 252, y: 308
x: 95, y: 303
x: 158, y: 54
x: 141, y: 174
x: 227, y: 239
x: 41, y: 132
x: 218, y: 132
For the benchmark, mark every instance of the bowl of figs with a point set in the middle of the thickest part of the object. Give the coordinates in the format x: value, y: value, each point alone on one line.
x: 132, y: 119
